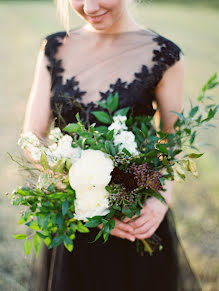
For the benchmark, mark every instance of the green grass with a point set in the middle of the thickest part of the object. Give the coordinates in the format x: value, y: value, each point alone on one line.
x: 195, y: 203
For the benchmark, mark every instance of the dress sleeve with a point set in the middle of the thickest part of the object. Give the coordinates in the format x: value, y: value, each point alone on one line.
x: 165, y: 56
x: 50, y: 45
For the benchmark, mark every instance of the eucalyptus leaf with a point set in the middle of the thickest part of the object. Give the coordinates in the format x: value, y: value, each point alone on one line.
x: 27, y: 246
x: 93, y: 223
x: 193, y: 111
x: 59, y: 166
x: 113, y: 104
x: 193, y: 167
x: 102, y: 129
x: 65, y: 206
x: 103, y: 105
x: 82, y: 228
x: 44, y: 161
x: 110, y: 134
x: 162, y: 148
x: 71, y: 127
x: 68, y: 243
x: 102, y: 116
x: 20, y: 236
x: 122, y: 111
x: 37, y: 243
x: 57, y: 240
x: 157, y: 195
x: 179, y: 115
x: 105, y: 237
x: 195, y: 156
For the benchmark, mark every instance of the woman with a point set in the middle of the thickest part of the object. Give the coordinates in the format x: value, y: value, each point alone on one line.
x: 74, y: 70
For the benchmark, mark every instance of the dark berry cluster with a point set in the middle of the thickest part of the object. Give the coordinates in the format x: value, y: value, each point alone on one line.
x: 125, y: 178
x: 119, y: 194
x: 126, y: 183
x: 122, y: 159
x: 145, y: 176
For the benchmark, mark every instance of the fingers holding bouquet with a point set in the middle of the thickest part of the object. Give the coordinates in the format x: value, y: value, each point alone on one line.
x: 149, y: 220
x: 143, y: 226
x: 122, y: 230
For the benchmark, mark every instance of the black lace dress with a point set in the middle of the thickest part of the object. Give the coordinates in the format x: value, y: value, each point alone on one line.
x: 131, y: 63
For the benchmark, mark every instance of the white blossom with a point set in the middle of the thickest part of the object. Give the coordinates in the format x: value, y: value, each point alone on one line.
x: 65, y: 150
x: 35, y: 152
x: 30, y: 141
x: 28, y: 138
x: 55, y: 134
x: 91, y: 202
x: 118, y: 124
x: 126, y: 139
x: 88, y: 176
x: 122, y: 136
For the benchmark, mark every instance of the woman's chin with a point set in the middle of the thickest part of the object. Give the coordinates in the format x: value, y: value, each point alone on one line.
x: 100, y: 27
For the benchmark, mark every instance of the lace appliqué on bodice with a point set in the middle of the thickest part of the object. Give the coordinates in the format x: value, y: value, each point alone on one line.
x: 138, y: 94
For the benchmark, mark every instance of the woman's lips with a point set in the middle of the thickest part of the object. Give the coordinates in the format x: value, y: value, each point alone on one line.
x: 97, y: 18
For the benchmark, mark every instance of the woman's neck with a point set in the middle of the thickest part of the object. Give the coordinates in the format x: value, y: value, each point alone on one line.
x: 125, y: 23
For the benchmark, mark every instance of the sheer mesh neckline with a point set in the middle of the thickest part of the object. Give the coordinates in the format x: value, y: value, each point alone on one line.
x: 132, y: 66
x: 81, y: 29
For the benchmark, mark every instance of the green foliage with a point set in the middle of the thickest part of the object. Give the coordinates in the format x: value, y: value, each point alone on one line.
x: 37, y: 243
x: 102, y: 116
x: 50, y: 212
x: 27, y: 246
x: 20, y: 236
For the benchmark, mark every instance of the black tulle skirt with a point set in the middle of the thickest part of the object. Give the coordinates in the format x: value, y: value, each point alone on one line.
x: 115, y: 265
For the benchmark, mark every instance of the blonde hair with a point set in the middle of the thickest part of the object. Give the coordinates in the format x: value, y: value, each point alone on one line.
x: 62, y: 10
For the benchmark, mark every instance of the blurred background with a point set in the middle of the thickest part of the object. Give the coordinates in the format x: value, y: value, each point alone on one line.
x: 191, y: 24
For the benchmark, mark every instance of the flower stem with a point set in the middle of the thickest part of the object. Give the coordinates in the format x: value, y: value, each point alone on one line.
x: 32, y: 234
x: 147, y: 246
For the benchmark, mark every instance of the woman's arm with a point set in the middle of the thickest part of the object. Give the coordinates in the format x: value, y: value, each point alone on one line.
x: 38, y: 115
x: 169, y: 94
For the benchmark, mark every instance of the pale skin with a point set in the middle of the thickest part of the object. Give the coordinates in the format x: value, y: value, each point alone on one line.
x: 169, y: 94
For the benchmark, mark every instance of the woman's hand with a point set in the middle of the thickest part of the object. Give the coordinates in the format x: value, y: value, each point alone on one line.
x: 122, y: 230
x: 149, y: 220
x: 143, y: 226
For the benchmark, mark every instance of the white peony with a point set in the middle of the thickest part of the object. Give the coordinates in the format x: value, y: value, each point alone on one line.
x: 93, y: 168
x: 91, y: 202
x: 88, y: 176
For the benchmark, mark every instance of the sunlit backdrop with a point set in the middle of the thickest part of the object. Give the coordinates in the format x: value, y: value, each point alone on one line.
x: 23, y: 25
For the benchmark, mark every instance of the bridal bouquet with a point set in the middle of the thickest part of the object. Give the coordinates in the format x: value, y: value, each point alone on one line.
x: 88, y: 176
